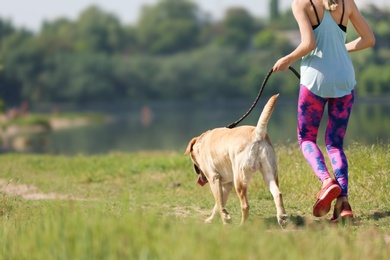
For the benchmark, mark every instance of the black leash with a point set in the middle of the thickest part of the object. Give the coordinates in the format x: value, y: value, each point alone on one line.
x: 232, y: 125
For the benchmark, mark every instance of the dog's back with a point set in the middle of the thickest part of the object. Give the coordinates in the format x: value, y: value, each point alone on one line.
x: 239, y: 147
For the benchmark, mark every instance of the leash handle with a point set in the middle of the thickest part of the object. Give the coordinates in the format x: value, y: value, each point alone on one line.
x: 232, y: 125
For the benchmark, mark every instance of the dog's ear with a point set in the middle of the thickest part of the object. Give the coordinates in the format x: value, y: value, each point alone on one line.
x: 190, y: 145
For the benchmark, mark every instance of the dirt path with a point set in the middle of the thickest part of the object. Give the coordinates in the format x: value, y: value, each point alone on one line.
x: 28, y: 192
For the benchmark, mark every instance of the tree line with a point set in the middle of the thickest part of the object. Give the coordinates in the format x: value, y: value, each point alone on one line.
x: 176, y: 51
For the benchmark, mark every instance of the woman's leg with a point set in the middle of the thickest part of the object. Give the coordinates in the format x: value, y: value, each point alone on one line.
x: 310, y: 111
x: 339, y: 110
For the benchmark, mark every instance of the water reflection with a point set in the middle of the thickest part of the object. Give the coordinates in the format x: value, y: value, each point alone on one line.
x: 170, y: 126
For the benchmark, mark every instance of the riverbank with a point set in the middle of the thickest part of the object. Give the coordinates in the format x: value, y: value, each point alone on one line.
x: 17, y: 132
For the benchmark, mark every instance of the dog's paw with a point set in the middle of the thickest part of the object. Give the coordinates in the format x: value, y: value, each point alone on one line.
x: 208, y: 220
x: 226, y: 219
x: 283, y: 220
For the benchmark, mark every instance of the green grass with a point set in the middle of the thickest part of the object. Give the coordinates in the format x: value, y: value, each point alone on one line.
x: 148, y: 206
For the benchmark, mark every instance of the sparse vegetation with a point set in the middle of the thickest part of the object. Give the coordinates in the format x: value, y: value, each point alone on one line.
x: 148, y: 206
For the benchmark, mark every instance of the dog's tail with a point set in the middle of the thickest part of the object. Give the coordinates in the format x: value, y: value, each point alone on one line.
x: 261, y: 128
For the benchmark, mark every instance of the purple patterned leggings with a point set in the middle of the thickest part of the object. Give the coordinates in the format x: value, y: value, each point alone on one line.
x: 310, y: 110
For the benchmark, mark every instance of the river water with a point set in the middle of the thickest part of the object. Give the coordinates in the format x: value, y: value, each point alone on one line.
x: 170, y: 126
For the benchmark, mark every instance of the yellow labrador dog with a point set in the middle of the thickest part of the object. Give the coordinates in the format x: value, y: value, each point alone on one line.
x: 224, y: 157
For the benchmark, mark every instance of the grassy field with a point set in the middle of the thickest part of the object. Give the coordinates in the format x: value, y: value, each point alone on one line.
x: 148, y: 206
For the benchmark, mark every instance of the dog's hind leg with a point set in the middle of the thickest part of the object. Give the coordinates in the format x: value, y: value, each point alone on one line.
x: 242, y: 192
x: 278, y: 199
x: 241, y: 183
x: 226, y: 188
x: 270, y: 175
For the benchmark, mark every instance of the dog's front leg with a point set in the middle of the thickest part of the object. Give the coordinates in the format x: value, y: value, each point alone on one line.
x: 226, y: 189
x: 215, y: 210
x: 220, y: 199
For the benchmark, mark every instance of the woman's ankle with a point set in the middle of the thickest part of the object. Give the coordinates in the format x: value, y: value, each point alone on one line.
x: 340, y: 200
x: 326, y: 181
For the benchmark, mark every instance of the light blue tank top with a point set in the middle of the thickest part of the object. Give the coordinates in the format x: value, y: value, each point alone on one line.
x: 328, y: 71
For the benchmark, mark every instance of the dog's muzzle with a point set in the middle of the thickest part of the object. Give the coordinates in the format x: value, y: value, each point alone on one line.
x: 202, y: 180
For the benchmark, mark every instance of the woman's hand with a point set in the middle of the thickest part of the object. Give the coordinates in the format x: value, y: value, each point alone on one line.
x: 282, y: 64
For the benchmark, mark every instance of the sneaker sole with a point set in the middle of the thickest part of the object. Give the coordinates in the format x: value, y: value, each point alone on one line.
x: 323, y: 204
x: 345, y: 219
x: 346, y: 214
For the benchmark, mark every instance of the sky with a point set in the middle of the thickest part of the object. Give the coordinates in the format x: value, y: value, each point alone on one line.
x: 31, y: 13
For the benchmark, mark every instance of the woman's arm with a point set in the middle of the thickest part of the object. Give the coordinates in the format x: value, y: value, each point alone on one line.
x: 367, y: 38
x: 308, y: 41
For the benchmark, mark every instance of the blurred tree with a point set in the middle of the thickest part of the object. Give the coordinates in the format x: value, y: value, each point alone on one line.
x: 8, y: 92
x: 379, y: 19
x: 22, y: 67
x: 169, y: 27
x: 207, y: 74
x: 239, y: 18
x: 10, y: 38
x: 285, y: 21
x: 82, y: 77
x: 6, y: 28
x: 98, y: 31
x: 264, y: 39
x: 374, y: 81
x: 57, y: 36
x: 131, y: 42
x: 274, y: 10
x: 276, y: 41
x: 259, y: 64
x: 2, y: 106
x: 135, y: 77
x: 96, y: 58
x: 237, y: 29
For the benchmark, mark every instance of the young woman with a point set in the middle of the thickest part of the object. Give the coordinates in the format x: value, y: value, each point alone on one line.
x: 327, y: 76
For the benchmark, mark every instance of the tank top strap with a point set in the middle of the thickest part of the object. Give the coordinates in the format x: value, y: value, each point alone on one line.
x: 342, y: 27
x: 342, y: 15
x: 315, y: 11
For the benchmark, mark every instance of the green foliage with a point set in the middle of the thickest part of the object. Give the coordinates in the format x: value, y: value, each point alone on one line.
x: 286, y: 21
x: 89, y: 77
x: 99, y: 32
x: 232, y: 37
x: 269, y: 40
x: 174, y: 52
x: 237, y: 29
x: 168, y: 27
x: 375, y: 80
x: 148, y: 205
x: 274, y: 10
x: 2, y: 106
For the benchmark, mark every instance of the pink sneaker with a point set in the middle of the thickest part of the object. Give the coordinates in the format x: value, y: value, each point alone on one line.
x: 325, y: 197
x: 342, y: 213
